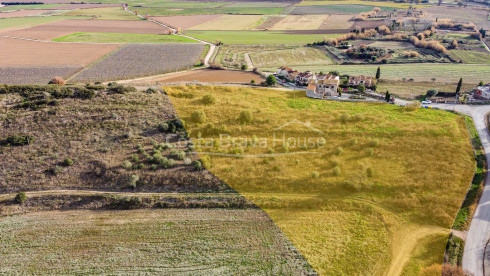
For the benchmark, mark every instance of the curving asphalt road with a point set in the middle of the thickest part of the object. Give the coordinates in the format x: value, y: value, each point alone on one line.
x: 479, y: 232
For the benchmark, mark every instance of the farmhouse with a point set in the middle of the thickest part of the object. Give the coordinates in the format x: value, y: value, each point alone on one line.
x: 483, y: 91
x: 321, y: 86
x: 303, y: 78
x: 284, y: 71
x: 359, y: 80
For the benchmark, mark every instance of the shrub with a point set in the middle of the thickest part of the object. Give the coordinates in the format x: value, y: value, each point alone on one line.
x: 245, y: 117
x: 133, y: 181
x: 127, y: 164
x: 270, y: 80
x: 121, y: 89
x: 17, y: 140
x: 67, y: 162
x: 369, y: 152
x: 432, y: 92
x: 216, y: 66
x: 335, y: 162
x: 370, y: 172
x: 180, y: 155
x: 187, y: 161
x: 151, y: 90
x: 84, y: 93
x: 198, y: 116
x: 197, y: 165
x: 297, y: 162
x: 345, y: 118
x: 339, y: 151
x: 244, y: 67
x: 336, y: 171
x: 21, y: 198
x: 374, y: 143
x: 57, y: 80
x: 315, y: 174
x: 208, y: 99
x: 163, y: 127
x: 412, y: 106
x: 353, y: 141
x: 57, y: 170
x: 252, y: 81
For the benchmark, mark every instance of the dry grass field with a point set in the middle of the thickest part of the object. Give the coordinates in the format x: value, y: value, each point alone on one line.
x: 186, y: 21
x: 291, y: 57
x: 337, y: 21
x: 478, y: 16
x: 229, y: 22
x: 205, y: 76
x: 65, y: 27
x: 20, y: 13
x: 50, y: 54
x: 371, y: 175
x: 184, y: 242
x: 111, y: 13
x: 138, y: 60
x: 300, y: 22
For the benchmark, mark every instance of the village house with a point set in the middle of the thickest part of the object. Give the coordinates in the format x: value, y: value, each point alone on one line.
x: 359, y: 80
x: 321, y: 86
x: 483, y: 92
x: 303, y: 78
x: 284, y: 71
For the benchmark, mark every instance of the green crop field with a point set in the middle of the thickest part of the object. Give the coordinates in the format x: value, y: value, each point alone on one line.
x: 470, y: 56
x: 23, y: 22
x: 124, y: 38
x: 445, y: 73
x: 188, y: 241
x: 258, y: 37
x: 112, y: 13
x: 370, y: 190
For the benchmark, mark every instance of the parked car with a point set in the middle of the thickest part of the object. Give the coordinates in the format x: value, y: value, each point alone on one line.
x: 336, y: 98
x: 426, y: 102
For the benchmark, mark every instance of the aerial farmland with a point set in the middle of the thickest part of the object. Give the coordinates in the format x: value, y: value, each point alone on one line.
x: 244, y: 137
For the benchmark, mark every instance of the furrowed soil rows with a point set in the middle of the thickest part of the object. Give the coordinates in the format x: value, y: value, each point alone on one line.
x: 66, y: 27
x: 35, y: 53
x: 34, y: 75
x: 20, y: 13
x: 136, y: 60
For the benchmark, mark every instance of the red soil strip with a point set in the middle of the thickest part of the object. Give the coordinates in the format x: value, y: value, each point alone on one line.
x: 20, y: 13
x: 65, y: 27
x: 209, y: 76
x: 186, y: 21
x: 16, y: 52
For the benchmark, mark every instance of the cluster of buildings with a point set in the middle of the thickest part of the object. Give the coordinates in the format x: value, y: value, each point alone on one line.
x: 320, y: 86
x: 483, y: 92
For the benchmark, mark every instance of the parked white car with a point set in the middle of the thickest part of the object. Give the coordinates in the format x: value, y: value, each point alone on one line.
x: 426, y: 102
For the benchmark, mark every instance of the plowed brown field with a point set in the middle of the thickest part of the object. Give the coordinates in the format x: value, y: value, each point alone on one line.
x: 186, y: 21
x: 20, y: 13
x: 65, y: 27
x: 17, y: 52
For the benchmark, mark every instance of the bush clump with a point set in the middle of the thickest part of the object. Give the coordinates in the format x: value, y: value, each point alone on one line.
x: 133, y: 181
x: 127, y: 165
x: 336, y: 171
x: 197, y: 165
x: 121, y: 89
x: 21, y: 198
x: 208, y: 99
x: 198, y: 117
x: 245, y: 117
x: 17, y: 140
x: 315, y: 174
x: 67, y: 162
x: 171, y: 126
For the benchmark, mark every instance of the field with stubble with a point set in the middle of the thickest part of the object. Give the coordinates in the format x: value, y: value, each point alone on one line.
x: 175, y: 241
x: 381, y: 173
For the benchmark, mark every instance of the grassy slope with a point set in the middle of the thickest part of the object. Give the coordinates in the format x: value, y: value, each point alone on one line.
x: 123, y: 38
x: 31, y: 21
x: 445, y: 73
x: 291, y: 57
x: 146, y: 241
x: 111, y: 13
x: 257, y: 37
x: 332, y: 217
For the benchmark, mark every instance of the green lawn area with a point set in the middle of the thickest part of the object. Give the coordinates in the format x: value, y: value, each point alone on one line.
x: 472, y: 57
x: 112, y: 13
x: 31, y: 21
x: 258, y: 37
x: 28, y: 7
x: 446, y: 73
x: 123, y: 38
x: 203, y: 9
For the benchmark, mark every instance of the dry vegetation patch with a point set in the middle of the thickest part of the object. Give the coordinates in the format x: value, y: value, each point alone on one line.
x: 229, y: 22
x: 300, y: 22
x: 186, y: 21
x: 207, y: 76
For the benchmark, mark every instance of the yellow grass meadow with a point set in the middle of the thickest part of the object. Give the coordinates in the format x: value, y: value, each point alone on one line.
x: 339, y: 179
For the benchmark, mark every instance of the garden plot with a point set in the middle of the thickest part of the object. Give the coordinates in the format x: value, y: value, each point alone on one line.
x: 137, y: 60
x: 186, y: 21
x: 65, y: 27
x: 35, y: 53
x: 230, y: 22
x: 300, y: 22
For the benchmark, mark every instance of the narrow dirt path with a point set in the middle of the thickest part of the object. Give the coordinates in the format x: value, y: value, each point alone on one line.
x: 250, y: 64
x: 404, y: 243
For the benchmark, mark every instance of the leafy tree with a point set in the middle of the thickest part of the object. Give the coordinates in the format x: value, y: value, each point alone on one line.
x: 431, y: 92
x: 481, y: 83
x: 361, y: 88
x: 387, y: 96
x: 460, y: 83
x: 197, y: 165
x: 483, y: 33
x: 252, y: 81
x: 378, y: 73
x: 334, y: 73
x: 21, y: 197
x: 271, y: 80
x: 244, y: 67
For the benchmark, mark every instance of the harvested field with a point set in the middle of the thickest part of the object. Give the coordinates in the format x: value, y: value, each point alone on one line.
x: 395, y: 45
x: 123, y: 38
x: 300, y: 22
x: 330, y: 9
x: 291, y: 57
x: 111, y: 13
x: 470, y: 56
x: 230, y: 23
x: 34, y: 75
x: 380, y: 4
x: 65, y: 27
x: 368, y: 24
x: 35, y: 53
x: 478, y: 16
x: 207, y: 76
x: 179, y: 242
x: 20, y: 13
x: 23, y: 22
x: 186, y: 21
x: 269, y: 22
x: 337, y: 21
x: 137, y: 60
x: 85, y: 6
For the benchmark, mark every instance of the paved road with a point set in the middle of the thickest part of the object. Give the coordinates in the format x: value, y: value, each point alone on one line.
x: 479, y: 232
